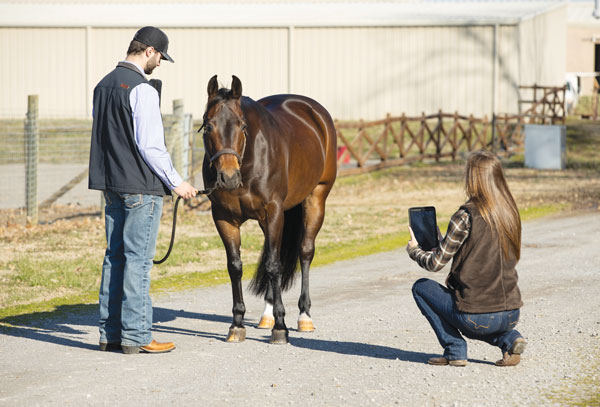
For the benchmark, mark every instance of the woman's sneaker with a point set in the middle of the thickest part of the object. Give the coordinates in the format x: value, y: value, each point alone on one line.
x: 513, y: 357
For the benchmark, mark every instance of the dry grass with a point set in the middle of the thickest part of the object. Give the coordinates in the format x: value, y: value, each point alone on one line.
x: 61, y: 259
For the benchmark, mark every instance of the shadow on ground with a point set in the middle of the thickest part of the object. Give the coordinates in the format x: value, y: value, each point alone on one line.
x: 61, y: 326
x: 64, y: 326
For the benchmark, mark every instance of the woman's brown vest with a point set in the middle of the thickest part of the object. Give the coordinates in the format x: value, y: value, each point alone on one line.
x: 481, y: 280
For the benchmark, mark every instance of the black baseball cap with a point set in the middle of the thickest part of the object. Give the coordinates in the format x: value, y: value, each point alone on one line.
x: 153, y: 37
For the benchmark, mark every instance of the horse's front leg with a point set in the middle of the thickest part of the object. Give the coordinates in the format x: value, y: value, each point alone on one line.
x: 279, y: 334
x: 230, y: 235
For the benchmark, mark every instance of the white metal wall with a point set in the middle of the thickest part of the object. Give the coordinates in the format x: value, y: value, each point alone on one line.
x: 47, y: 62
x: 366, y: 72
x: 357, y: 72
x: 543, y: 42
x: 258, y: 56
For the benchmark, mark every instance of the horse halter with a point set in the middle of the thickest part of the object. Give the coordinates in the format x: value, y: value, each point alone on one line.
x: 228, y: 150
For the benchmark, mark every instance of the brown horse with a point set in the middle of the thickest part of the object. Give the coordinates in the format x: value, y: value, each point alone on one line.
x: 272, y: 160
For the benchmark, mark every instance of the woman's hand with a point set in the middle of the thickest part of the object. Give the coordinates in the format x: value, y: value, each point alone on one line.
x: 413, y: 241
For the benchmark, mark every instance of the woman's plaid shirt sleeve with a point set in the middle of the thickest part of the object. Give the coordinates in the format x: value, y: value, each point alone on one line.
x: 436, y: 259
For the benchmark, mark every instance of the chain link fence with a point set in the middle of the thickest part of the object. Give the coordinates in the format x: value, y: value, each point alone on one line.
x: 44, y: 164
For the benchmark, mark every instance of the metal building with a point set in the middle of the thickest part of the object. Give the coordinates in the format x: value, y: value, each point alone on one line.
x: 359, y: 59
x: 583, y: 44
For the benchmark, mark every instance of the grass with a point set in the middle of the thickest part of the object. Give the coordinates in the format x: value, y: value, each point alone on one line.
x: 48, y: 265
x: 59, y: 141
x: 583, y: 390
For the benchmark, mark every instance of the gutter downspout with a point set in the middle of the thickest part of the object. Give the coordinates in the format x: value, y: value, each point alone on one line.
x: 290, y: 73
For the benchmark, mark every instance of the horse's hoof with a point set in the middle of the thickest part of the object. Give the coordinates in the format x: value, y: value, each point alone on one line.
x: 279, y: 337
x: 236, y: 334
x: 305, y: 323
x: 266, y: 322
x: 305, y: 326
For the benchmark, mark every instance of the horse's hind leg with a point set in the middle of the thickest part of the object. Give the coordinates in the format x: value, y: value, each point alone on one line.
x: 230, y: 235
x: 313, y: 214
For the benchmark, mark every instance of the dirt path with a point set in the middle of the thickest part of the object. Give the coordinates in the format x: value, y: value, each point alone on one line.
x: 370, y: 346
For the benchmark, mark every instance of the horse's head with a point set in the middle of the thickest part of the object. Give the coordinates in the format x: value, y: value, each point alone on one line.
x: 225, y: 132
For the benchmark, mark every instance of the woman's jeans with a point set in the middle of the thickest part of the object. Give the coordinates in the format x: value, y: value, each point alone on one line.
x: 131, y: 222
x: 437, y: 304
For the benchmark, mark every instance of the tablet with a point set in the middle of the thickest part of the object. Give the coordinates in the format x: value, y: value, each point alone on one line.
x: 424, y: 225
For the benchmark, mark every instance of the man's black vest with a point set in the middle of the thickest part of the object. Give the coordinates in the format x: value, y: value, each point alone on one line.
x: 115, y: 162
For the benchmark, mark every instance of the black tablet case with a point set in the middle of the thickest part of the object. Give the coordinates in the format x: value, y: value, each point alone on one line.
x: 424, y: 225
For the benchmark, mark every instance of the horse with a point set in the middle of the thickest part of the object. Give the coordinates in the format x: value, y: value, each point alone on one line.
x: 273, y: 161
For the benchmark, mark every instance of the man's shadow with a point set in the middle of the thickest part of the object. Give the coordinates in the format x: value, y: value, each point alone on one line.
x: 61, y: 327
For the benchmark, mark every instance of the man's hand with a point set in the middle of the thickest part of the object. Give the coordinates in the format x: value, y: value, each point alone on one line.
x: 185, y: 190
x: 413, y: 241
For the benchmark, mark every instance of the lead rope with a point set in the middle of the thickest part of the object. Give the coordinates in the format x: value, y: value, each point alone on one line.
x: 206, y: 192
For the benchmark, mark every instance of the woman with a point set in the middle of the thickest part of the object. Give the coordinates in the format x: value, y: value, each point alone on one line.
x: 481, y: 299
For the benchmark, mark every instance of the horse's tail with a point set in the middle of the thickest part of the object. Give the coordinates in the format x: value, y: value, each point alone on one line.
x: 290, y: 253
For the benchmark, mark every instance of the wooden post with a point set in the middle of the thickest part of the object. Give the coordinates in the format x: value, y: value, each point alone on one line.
x: 178, y: 137
x: 470, y: 133
x: 438, y: 138
x: 32, y: 139
x: 455, y: 136
x: 189, y: 135
x: 594, y: 102
x: 422, y: 136
x: 402, y: 129
x: 388, y: 124
x: 534, y: 109
x: 361, y: 148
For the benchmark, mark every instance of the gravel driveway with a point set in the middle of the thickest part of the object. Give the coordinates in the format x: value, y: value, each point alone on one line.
x: 370, y: 347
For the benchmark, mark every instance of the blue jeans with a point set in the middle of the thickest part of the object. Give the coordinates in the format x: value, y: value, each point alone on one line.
x: 437, y: 303
x: 131, y: 223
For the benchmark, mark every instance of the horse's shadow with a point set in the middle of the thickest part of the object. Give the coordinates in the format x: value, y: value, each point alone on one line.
x: 62, y: 327
x: 360, y: 349
x: 367, y: 350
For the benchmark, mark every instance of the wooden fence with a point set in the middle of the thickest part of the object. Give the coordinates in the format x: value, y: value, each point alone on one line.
x: 546, y: 106
x: 368, y: 146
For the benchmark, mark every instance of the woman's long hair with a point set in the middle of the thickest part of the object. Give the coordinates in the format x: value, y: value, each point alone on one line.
x: 486, y: 188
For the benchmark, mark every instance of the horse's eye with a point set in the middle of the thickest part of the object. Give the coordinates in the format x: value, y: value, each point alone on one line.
x: 208, y: 128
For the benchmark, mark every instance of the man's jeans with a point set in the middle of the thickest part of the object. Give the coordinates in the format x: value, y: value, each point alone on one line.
x: 132, y: 222
x: 437, y: 304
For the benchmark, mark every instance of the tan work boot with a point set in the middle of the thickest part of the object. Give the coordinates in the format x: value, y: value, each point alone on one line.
x: 442, y: 361
x: 152, y: 347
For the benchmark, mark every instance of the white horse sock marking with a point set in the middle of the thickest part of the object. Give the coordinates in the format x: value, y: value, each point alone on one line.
x: 304, y: 317
x: 268, y: 312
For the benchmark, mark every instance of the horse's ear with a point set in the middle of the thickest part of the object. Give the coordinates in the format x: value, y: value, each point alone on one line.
x: 236, y: 87
x: 213, y: 87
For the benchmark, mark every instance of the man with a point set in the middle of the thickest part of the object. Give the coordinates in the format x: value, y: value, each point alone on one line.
x: 130, y: 164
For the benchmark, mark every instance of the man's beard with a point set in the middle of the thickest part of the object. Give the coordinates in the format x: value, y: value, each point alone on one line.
x: 150, y: 65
